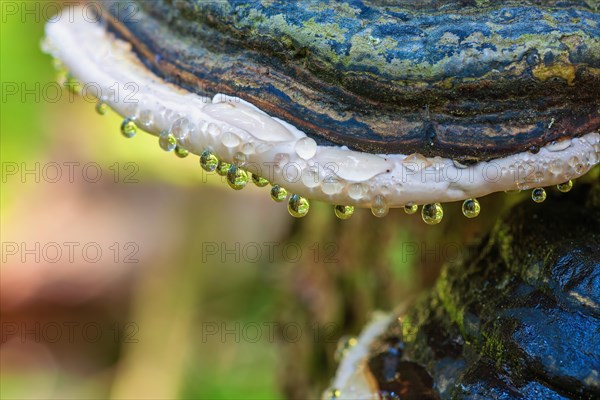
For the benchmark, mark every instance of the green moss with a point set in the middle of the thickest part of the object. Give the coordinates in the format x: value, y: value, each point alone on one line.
x: 449, y: 301
x: 493, y: 347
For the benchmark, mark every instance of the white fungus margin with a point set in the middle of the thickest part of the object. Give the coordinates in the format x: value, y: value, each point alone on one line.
x: 232, y: 128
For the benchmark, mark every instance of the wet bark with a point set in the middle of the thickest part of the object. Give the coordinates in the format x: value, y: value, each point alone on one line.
x: 517, y: 319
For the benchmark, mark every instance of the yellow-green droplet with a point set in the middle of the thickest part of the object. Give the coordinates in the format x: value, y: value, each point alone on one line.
x: 379, y: 208
x: 222, y: 168
x: 538, y: 195
x: 343, y: 346
x: 58, y: 65
x: 208, y: 161
x: 61, y: 71
x: 181, y: 152
x: 565, y: 187
x: 101, y: 107
x: 432, y: 213
x: 471, y: 208
x: 237, y: 178
x: 278, y: 193
x: 259, y: 181
x: 167, y: 141
x: 333, y: 394
x: 72, y: 84
x: 128, y: 128
x: 298, y: 206
x: 411, y: 208
x: 344, y: 212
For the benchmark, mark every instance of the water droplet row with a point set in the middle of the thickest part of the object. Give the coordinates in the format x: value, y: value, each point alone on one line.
x: 298, y: 206
x: 237, y: 178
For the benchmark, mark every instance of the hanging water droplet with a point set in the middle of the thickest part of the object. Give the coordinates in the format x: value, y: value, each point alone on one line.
x: 168, y: 114
x: 208, y: 161
x: 524, y: 185
x: 128, y: 128
x: 230, y: 140
x: 356, y: 191
x: 61, y: 77
x: 556, y: 167
x: 379, y: 208
x: 576, y: 164
x: 573, y: 161
x: 538, y: 195
x: 522, y: 173
x: 343, y: 346
x: 432, y: 214
x: 306, y: 148
x: 213, y: 129
x: 594, y: 154
x: 333, y: 394
x: 181, y: 129
x: 72, y: 84
x: 259, y: 181
x: 565, y: 187
x: 181, y: 152
x: 166, y: 141
x: 239, y: 159
x: 332, y: 185
x: 471, y: 208
x: 101, y: 107
x: 222, y: 168
x: 146, y: 118
x: 263, y: 148
x: 248, y: 148
x: 411, y: 208
x: 310, y: 177
x: 438, y: 163
x: 281, y: 160
x: 58, y: 64
x: 415, y: 162
x: 278, y: 193
x: 343, y: 212
x: 298, y: 206
x: 237, y: 178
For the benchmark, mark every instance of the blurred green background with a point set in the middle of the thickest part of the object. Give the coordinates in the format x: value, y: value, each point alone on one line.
x: 179, y: 321
x: 146, y: 197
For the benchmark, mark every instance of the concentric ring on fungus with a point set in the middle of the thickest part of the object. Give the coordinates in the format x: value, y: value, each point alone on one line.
x: 489, y: 99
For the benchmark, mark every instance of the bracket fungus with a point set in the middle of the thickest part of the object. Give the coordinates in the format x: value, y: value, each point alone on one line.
x: 360, y: 104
